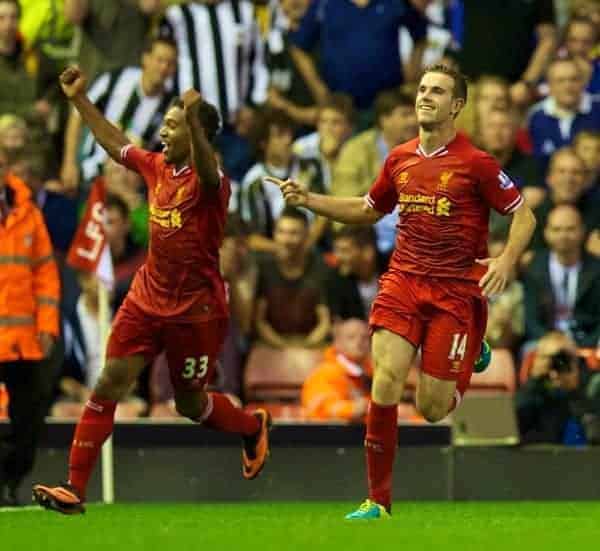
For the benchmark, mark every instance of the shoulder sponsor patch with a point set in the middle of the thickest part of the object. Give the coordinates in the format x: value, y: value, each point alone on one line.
x: 505, y: 181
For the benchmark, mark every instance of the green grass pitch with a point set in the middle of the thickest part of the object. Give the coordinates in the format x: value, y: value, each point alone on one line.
x: 488, y: 526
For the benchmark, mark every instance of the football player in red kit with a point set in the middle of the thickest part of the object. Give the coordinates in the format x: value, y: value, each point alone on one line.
x: 433, y: 296
x: 177, y: 300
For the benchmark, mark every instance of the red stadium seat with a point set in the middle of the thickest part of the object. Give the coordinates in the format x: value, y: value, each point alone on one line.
x: 273, y: 374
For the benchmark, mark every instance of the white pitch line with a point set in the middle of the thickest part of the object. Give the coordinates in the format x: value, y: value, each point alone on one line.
x: 20, y: 509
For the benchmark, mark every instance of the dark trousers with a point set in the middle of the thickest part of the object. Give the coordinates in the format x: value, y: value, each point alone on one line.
x: 29, y: 385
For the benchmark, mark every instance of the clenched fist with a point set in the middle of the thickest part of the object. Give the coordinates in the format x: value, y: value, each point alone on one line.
x: 73, y: 81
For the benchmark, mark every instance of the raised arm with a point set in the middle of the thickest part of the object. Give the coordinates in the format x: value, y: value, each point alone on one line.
x: 69, y: 171
x: 73, y: 83
x: 203, y: 155
x: 347, y: 210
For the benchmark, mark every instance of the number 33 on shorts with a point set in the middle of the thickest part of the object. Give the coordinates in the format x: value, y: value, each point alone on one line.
x: 195, y: 368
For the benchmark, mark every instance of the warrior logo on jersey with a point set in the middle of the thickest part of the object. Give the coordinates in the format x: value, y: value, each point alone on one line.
x: 505, y: 181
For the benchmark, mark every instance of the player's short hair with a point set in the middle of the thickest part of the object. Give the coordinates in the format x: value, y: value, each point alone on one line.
x: 154, y: 40
x: 340, y: 103
x: 208, y: 115
x: 460, y: 81
x: 14, y: 3
x: 361, y: 236
x: 115, y: 202
x: 295, y: 214
x: 387, y: 100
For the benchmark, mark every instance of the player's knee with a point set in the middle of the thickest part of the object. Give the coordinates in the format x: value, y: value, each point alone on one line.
x: 432, y: 410
x: 187, y: 410
x: 113, y: 383
x: 192, y: 406
x: 387, y: 387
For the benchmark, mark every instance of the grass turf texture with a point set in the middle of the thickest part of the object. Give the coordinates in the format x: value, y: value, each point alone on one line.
x: 311, y: 526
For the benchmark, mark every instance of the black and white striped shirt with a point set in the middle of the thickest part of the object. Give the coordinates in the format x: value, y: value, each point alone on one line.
x: 119, y: 95
x: 220, y: 53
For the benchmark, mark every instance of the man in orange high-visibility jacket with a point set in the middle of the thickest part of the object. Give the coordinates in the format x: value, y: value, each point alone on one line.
x: 339, y: 387
x: 29, y: 325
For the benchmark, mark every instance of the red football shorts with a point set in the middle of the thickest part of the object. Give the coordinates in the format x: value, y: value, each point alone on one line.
x: 445, y: 317
x: 191, y: 347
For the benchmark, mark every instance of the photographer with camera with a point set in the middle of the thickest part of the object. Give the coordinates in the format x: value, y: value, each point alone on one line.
x: 560, y: 402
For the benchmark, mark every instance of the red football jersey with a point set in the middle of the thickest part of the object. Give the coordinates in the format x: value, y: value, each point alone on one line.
x: 181, y: 276
x: 444, y: 200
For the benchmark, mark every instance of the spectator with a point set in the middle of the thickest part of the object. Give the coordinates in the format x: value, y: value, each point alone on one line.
x: 135, y: 98
x: 127, y: 257
x: 83, y: 357
x: 566, y: 186
x: 353, y: 283
x: 221, y: 54
x: 489, y: 93
x: 581, y: 37
x: 562, y: 284
x: 354, y: 40
x: 498, y: 136
x: 361, y: 158
x: 29, y: 300
x: 334, y: 127
x: 560, y: 399
x: 239, y: 272
x: 129, y: 186
x: 60, y: 211
x: 568, y: 109
x: 506, y: 311
x: 339, y: 387
x: 25, y: 85
x: 587, y: 146
x: 261, y: 203
x: 113, y: 32
x: 512, y: 40
x: 288, y: 90
x: 290, y: 304
x: 13, y: 135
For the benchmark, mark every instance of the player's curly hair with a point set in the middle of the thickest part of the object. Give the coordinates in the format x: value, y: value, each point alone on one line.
x: 208, y: 115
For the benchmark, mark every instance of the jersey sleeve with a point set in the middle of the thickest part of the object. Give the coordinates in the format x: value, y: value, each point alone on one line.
x: 495, y: 186
x: 140, y: 161
x: 383, y: 196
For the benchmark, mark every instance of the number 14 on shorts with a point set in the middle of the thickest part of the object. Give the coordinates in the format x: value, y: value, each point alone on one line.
x: 195, y: 368
x: 458, y: 347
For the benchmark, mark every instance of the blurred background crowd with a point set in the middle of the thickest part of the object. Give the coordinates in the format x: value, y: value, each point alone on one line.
x: 318, y: 91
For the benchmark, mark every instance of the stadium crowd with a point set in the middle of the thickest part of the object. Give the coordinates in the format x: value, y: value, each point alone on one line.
x: 318, y: 91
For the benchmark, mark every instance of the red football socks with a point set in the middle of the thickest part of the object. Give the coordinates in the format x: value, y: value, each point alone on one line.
x: 222, y: 415
x: 381, y: 442
x: 94, y: 427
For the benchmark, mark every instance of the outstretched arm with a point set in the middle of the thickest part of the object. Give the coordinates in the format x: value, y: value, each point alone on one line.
x: 73, y: 83
x: 347, y: 210
x: 203, y: 155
